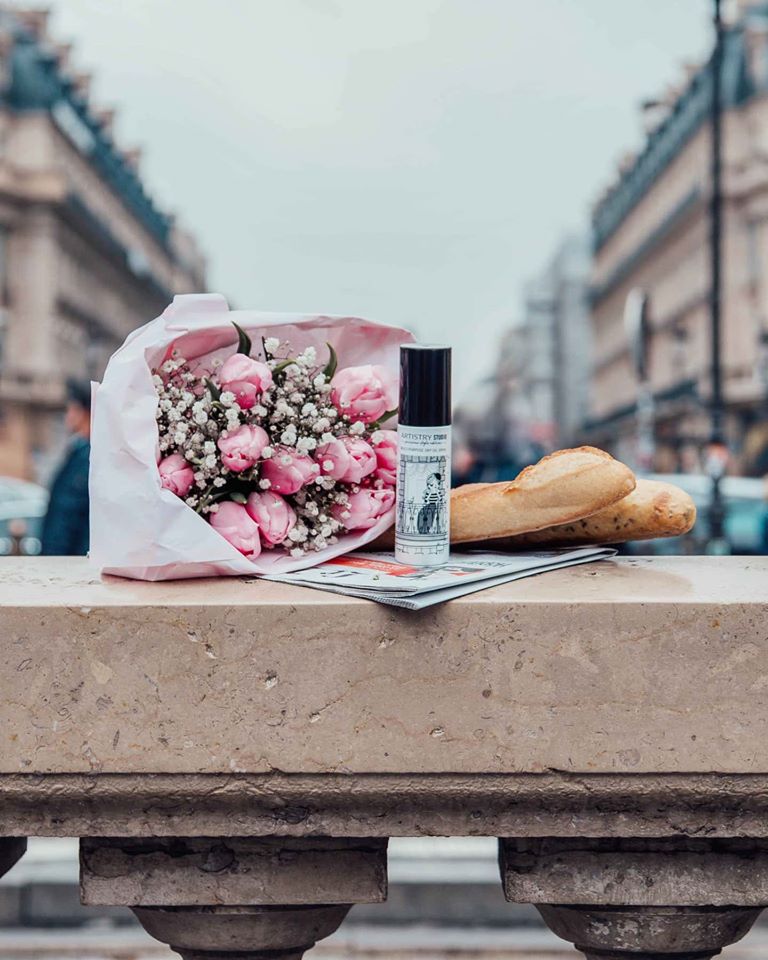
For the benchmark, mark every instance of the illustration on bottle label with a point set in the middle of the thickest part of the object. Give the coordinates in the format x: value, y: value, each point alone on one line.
x: 423, y: 483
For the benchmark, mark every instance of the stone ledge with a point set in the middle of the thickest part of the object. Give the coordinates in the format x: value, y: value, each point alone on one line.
x: 652, y: 666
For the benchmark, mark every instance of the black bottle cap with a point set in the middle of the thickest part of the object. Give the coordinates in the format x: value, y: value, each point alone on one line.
x: 425, y: 385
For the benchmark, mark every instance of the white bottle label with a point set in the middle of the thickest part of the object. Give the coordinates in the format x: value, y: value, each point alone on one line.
x: 422, y: 523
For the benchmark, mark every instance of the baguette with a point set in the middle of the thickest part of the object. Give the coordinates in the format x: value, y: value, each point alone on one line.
x: 653, y: 509
x: 560, y: 488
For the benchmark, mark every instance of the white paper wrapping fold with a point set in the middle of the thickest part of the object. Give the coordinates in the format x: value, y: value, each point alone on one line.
x: 140, y: 530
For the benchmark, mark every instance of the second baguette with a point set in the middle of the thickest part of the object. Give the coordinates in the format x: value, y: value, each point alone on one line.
x: 654, y: 509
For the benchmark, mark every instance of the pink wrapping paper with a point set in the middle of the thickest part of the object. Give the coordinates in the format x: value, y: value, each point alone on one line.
x: 142, y: 531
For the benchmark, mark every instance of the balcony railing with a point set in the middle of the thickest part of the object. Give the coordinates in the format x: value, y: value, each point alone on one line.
x: 235, y: 754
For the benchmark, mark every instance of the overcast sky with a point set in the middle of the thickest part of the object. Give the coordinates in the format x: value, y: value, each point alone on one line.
x: 413, y: 161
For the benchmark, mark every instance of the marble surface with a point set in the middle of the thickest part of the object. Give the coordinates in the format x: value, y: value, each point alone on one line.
x: 656, y: 665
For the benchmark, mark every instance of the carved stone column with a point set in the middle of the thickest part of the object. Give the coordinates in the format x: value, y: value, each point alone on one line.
x: 638, y: 899
x: 245, y: 898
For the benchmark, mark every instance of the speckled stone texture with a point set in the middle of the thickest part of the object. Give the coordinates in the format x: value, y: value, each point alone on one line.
x: 241, y: 933
x: 236, y: 871
x: 628, y: 666
x: 678, y: 871
x: 649, y: 933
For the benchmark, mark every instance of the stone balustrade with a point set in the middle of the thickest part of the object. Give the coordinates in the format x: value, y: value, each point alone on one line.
x: 235, y: 754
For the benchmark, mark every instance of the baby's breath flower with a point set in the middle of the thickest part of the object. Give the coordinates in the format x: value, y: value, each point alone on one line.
x: 357, y: 428
x: 265, y: 484
x: 305, y: 444
x: 272, y: 344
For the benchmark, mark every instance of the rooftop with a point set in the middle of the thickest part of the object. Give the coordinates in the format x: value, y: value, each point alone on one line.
x: 684, y: 116
x: 37, y: 78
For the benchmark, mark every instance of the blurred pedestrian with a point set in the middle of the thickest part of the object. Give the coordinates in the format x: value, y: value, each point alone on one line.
x: 65, y: 528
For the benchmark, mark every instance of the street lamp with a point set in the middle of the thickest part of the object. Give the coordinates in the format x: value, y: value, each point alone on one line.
x: 717, y: 452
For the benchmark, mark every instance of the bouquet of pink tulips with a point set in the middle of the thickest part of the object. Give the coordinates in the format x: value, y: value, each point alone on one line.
x: 274, y: 448
x: 270, y: 440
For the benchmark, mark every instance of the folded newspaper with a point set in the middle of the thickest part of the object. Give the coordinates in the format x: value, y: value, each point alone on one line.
x: 377, y: 576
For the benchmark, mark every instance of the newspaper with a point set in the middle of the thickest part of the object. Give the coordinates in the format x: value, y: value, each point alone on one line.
x: 377, y: 576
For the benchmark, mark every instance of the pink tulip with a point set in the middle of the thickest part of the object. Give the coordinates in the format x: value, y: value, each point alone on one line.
x: 362, y: 459
x: 364, y: 508
x: 288, y: 471
x: 333, y: 458
x: 385, y: 445
x: 176, y: 474
x: 242, y: 447
x: 246, y: 378
x: 364, y: 393
x: 231, y: 520
x: 275, y: 517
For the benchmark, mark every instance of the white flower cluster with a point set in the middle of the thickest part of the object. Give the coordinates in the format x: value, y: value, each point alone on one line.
x: 189, y: 424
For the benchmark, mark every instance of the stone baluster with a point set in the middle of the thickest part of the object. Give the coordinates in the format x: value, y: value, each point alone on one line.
x: 640, y: 899
x: 245, y: 898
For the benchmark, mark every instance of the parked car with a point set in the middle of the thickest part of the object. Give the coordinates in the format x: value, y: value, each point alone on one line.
x: 22, y: 509
x: 746, y: 519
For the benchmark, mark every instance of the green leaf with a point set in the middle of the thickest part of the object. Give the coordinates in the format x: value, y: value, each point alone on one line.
x: 279, y: 367
x: 212, y: 389
x: 333, y: 362
x: 388, y: 415
x: 238, y: 497
x: 243, y: 340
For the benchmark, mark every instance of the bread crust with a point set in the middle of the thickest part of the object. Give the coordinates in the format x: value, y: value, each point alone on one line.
x: 653, y: 509
x: 565, y: 486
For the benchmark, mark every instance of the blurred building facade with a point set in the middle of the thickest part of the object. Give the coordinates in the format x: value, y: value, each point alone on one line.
x: 555, y: 352
x: 651, y: 231
x: 85, y: 254
x: 536, y: 397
